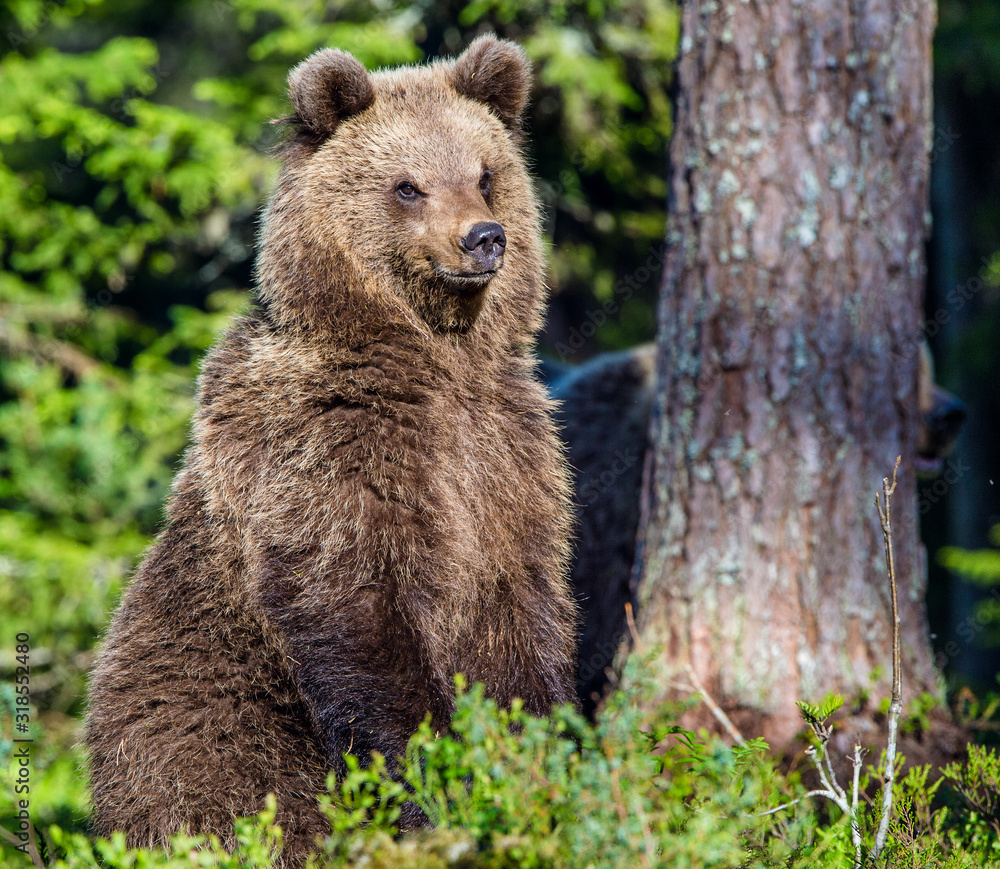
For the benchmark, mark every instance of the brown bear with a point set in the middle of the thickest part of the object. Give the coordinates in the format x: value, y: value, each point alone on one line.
x: 375, y: 498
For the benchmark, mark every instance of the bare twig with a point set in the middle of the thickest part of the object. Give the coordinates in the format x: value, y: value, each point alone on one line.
x: 36, y: 854
x: 32, y: 845
x: 833, y: 792
x: 630, y: 620
x: 855, y: 824
x: 831, y: 789
x: 616, y: 791
x: 9, y: 836
x: 714, y: 708
x: 833, y: 778
x: 817, y: 793
x: 896, y: 704
x: 820, y: 756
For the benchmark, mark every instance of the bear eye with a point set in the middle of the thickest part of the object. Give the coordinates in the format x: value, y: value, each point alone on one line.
x: 485, y: 183
x: 407, y: 190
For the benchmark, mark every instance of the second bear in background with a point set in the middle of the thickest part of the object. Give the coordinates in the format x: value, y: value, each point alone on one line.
x: 604, y: 411
x: 604, y: 408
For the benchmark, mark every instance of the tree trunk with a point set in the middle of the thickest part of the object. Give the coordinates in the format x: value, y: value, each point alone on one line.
x: 789, y: 327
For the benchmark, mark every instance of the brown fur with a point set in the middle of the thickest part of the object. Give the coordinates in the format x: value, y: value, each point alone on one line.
x: 375, y: 498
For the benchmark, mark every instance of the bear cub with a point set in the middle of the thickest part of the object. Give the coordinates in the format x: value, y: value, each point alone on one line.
x: 375, y: 498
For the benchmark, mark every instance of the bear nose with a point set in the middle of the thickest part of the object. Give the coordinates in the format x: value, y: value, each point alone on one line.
x: 486, y: 242
x: 946, y: 417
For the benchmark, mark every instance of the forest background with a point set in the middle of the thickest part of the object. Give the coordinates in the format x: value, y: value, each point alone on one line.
x: 134, y: 142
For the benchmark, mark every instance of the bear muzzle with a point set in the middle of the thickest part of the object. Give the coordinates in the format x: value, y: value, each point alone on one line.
x: 940, y: 426
x: 472, y: 260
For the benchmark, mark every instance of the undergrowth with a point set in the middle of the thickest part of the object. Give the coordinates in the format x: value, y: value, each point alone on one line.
x: 505, y: 789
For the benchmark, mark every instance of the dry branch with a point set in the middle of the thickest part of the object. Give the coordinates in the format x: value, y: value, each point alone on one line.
x: 714, y: 708
x: 896, y: 704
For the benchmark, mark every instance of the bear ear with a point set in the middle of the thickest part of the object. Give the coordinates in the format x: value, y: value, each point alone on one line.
x: 328, y: 87
x: 497, y: 73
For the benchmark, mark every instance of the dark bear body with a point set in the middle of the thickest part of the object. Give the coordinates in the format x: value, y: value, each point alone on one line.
x: 375, y: 498
x: 604, y: 408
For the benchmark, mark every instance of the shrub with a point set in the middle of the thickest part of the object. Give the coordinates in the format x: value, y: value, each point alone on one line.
x: 505, y: 789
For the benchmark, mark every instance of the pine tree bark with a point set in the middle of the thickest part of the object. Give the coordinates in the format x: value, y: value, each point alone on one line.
x: 787, y: 356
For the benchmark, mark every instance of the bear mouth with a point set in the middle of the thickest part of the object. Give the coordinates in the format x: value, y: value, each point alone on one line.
x: 928, y: 466
x: 464, y: 283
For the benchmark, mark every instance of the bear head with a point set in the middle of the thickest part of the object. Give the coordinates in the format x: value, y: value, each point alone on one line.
x: 942, y: 416
x: 405, y: 194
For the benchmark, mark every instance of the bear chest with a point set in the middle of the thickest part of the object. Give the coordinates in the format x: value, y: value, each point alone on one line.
x: 483, y: 508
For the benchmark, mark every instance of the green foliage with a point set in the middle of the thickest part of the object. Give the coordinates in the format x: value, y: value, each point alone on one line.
x: 505, y: 789
x: 258, y: 841
x: 102, y: 192
x: 816, y: 715
x: 948, y: 821
x: 980, y: 567
x: 978, y: 782
x: 916, y: 716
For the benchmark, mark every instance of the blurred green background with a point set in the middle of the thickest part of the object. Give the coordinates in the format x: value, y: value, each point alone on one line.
x: 134, y: 143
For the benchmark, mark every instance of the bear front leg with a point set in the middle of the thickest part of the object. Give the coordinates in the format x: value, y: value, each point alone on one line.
x: 353, y: 658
